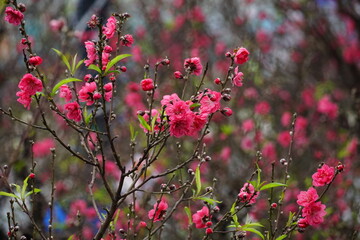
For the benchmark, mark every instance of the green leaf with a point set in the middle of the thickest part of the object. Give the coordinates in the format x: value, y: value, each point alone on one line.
x: 133, y: 133
x: 115, y: 60
x: 197, y: 180
x: 71, y: 237
x: 272, y: 185
x: 255, y: 224
x: 2, y: 5
x: 94, y: 67
x: 188, y: 213
x: 153, y: 121
x: 8, y: 194
x: 258, y: 176
x: 36, y: 190
x: 18, y: 188
x: 253, y: 230
x: 290, y: 219
x: 227, y: 129
x: 144, y: 123
x: 73, y: 64
x: 233, y: 215
x: 281, y: 237
x: 194, y: 105
x: 23, y: 190
x: 62, y: 82
x: 208, y: 200
x: 63, y: 58
x: 87, y: 116
x: 79, y: 64
x: 113, y: 71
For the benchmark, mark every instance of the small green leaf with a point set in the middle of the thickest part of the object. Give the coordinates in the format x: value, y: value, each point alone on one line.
x: 63, y: 58
x: 255, y: 224
x: 62, y: 82
x: 18, y: 188
x: 133, y: 133
x: 8, y: 194
x: 272, y: 185
x: 36, y: 190
x: 94, y: 67
x: 258, y: 176
x: 188, y: 213
x: 290, y: 219
x: 195, y: 105
x: 281, y: 237
x: 87, y: 116
x: 233, y: 215
x: 71, y: 237
x: 253, y: 230
x: 73, y: 64
x: 153, y: 121
x: 144, y: 123
x: 23, y: 190
x: 208, y: 200
x: 197, y: 180
x: 79, y: 64
x: 115, y: 60
x: 113, y: 71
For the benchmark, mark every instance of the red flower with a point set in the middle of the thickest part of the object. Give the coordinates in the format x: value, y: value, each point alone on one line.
x: 158, y: 212
x: 86, y: 93
x: 314, y: 213
x: 91, y: 53
x: 127, y: 40
x: 201, y: 217
x: 323, y: 176
x: 30, y: 84
x: 13, y: 16
x: 241, y: 56
x: 35, y: 60
x: 147, y: 84
x: 194, y: 65
x: 308, y: 197
x: 238, y: 78
x: 73, y: 111
x: 248, y: 194
x: 65, y: 92
x: 110, y: 28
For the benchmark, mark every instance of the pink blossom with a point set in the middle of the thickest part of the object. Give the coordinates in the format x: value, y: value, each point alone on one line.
x: 314, y: 213
x: 248, y: 194
x: 65, y: 92
x: 247, y: 143
x: 147, y: 84
x: 56, y: 25
x: 199, y: 121
x: 327, y: 107
x: 286, y: 119
x: 227, y: 111
x: 87, y: 77
x: 91, y: 53
x: 86, y: 93
x: 247, y: 125
x: 170, y: 99
x: 238, y: 78
x: 108, y: 91
x: 127, y: 40
x: 13, y: 16
x: 210, y: 103
x: 30, y: 84
x: 24, y: 99
x: 307, y: 197
x: 104, y: 59
x: 284, y: 138
x: 201, y: 217
x: 110, y: 28
x: 35, y: 60
x: 180, y: 126
x: 269, y: 151
x: 158, y: 212
x: 323, y: 176
x: 241, y: 56
x: 262, y: 108
x: 42, y: 148
x: 73, y: 111
x: 193, y: 65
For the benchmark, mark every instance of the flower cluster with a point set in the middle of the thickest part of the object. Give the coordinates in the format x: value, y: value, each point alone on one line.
x: 28, y: 85
x: 313, y: 211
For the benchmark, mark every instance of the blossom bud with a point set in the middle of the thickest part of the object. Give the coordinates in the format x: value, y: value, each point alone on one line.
x: 93, y: 22
x: 35, y: 60
x: 21, y: 7
x: 178, y: 75
x: 96, y: 96
x: 123, y: 68
x: 226, y: 97
x: 302, y: 223
x: 165, y: 61
x: 24, y: 41
x: 227, y: 112
x: 108, y: 49
x: 217, y: 81
x: 227, y: 54
x: 147, y: 84
x: 208, y: 224
x: 31, y: 175
x: 142, y: 224
x: 274, y: 205
x: 340, y: 167
x: 209, y: 231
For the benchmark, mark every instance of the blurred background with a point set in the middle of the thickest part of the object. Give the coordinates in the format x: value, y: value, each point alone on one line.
x: 304, y: 58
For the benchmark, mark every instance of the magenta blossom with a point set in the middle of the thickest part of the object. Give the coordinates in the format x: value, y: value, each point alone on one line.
x: 158, y: 212
x: 201, y: 217
x: 323, y: 176
x: 110, y: 28
x: 13, y: 16
x: 193, y: 65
